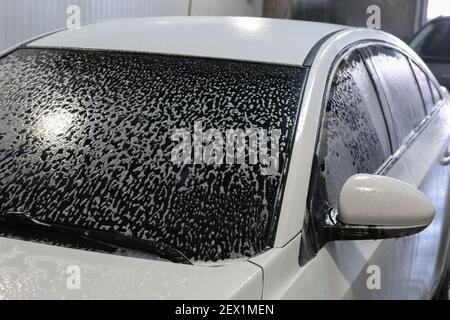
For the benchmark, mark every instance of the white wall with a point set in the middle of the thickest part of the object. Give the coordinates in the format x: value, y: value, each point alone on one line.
x: 252, y: 8
x: 24, y: 19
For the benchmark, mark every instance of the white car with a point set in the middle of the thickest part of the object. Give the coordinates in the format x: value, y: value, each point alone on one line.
x: 221, y: 158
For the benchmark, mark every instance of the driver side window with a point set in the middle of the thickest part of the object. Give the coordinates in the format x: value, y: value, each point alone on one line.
x: 354, y: 138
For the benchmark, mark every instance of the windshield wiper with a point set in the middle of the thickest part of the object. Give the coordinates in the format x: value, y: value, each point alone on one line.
x: 102, y: 237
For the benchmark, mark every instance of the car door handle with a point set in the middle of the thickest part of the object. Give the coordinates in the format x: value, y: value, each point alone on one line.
x: 446, y: 160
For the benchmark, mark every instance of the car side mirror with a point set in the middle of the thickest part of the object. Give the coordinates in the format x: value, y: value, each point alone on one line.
x: 379, y: 207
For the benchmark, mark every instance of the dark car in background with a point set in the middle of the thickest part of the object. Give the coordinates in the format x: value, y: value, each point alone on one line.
x: 432, y: 43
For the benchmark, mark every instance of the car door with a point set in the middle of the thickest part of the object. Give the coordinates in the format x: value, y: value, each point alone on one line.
x: 421, y: 132
x: 362, y: 132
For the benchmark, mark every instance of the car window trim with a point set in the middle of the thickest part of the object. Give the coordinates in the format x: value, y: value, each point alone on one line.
x: 382, y: 97
x: 424, y: 104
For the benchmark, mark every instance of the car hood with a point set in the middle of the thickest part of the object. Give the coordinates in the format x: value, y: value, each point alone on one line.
x: 38, y: 271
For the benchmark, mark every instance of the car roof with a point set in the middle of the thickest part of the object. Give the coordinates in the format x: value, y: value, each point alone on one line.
x: 238, y: 38
x: 440, y: 18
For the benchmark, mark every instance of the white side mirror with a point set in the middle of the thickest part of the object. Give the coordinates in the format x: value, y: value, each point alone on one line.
x: 387, y: 206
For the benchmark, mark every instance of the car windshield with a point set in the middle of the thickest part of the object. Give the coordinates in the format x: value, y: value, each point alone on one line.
x: 189, y: 152
x: 433, y: 42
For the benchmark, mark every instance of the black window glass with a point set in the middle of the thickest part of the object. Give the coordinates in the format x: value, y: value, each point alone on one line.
x: 424, y: 85
x: 354, y: 137
x: 402, y: 91
x: 433, y: 42
x: 86, y: 141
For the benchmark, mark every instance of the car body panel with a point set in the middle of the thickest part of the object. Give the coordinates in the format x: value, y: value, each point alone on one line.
x: 235, y: 38
x: 285, y: 279
x: 38, y: 271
